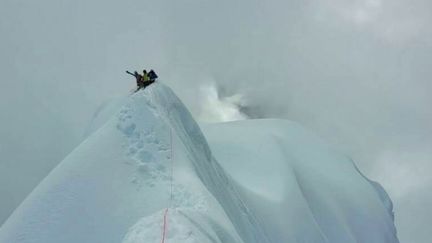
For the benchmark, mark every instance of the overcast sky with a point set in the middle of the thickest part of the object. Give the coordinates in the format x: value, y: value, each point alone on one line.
x: 357, y: 72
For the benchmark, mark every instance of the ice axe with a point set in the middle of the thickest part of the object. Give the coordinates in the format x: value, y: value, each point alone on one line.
x: 130, y: 73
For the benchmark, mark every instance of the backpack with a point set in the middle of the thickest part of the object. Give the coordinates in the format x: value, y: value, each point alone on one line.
x: 152, y: 75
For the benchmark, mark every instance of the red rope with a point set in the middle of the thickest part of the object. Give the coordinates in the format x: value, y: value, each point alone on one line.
x: 165, y: 221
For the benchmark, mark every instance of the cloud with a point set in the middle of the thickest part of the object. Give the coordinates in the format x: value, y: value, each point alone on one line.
x: 402, y: 178
x: 216, y: 108
x: 396, y: 22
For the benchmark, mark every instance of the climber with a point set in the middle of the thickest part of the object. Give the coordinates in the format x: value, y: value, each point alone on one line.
x: 146, y: 78
x: 152, y: 75
x: 139, y: 79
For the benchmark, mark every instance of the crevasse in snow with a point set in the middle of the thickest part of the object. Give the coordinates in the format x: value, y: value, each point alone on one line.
x: 252, y: 181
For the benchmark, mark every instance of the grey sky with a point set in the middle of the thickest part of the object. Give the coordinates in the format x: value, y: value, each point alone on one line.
x: 356, y: 72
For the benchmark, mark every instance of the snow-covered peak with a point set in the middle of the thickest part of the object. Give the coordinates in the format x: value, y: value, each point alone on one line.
x: 252, y: 181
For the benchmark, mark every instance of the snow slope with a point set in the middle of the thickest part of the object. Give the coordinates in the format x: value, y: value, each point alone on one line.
x: 298, y: 186
x: 259, y: 181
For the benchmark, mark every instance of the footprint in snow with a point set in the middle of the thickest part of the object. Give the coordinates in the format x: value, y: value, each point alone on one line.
x: 145, y: 156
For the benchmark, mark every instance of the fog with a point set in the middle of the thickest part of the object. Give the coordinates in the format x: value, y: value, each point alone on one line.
x: 355, y: 72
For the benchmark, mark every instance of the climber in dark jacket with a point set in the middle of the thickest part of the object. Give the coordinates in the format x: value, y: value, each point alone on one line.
x: 139, y: 79
x: 152, y: 75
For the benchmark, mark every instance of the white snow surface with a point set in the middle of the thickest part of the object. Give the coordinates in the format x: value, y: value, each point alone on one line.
x: 253, y: 181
